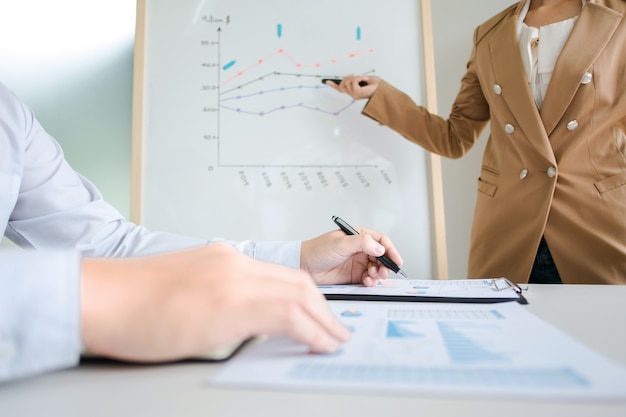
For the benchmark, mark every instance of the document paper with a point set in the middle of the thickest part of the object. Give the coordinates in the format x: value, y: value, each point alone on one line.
x: 435, y: 349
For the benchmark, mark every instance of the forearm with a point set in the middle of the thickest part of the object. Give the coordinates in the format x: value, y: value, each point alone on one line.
x: 452, y: 137
x: 172, y: 306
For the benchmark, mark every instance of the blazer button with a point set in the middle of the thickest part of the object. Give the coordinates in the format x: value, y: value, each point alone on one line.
x: 523, y: 174
x: 551, y: 172
x: 586, y: 78
x: 497, y: 89
x: 509, y: 128
x: 572, y: 125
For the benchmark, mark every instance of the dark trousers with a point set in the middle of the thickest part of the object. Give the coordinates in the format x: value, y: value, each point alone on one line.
x: 544, y: 270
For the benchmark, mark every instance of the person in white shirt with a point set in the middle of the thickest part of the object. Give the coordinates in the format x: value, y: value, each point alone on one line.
x: 92, y: 282
x: 548, y: 77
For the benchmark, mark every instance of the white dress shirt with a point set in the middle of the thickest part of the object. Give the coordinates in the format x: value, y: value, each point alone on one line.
x: 47, y: 207
x: 540, y: 47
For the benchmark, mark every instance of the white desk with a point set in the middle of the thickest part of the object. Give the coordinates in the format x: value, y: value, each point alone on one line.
x: 595, y: 315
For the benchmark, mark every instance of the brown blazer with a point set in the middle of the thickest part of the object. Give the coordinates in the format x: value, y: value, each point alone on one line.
x: 558, y: 173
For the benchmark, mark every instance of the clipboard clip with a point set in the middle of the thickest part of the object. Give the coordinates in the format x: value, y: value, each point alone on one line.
x: 500, y: 284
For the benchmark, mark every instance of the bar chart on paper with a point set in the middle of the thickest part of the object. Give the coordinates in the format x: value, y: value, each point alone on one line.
x: 474, y: 350
x: 243, y: 140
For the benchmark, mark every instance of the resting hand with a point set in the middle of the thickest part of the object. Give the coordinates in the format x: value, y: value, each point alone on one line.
x: 173, y: 306
x: 337, y: 258
x: 350, y: 85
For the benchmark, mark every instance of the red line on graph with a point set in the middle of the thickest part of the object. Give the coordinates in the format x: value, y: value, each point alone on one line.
x: 282, y: 52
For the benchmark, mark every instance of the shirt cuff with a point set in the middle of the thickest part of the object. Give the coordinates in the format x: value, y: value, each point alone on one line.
x: 285, y: 253
x: 39, y: 312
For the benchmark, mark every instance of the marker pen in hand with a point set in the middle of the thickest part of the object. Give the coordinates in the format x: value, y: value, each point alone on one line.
x: 338, y: 81
x: 349, y: 230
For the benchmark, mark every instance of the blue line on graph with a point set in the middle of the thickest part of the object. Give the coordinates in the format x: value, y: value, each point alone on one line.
x: 230, y: 97
x: 230, y: 64
x: 279, y: 30
x: 275, y: 90
x: 287, y: 107
x: 358, y: 33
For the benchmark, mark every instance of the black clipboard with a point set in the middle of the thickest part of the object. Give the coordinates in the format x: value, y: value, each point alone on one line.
x: 492, y: 290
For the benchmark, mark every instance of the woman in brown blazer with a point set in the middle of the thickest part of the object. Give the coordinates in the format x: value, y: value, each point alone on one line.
x: 550, y: 77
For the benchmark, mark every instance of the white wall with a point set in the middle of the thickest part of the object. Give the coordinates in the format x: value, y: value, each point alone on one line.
x: 454, y: 22
x: 71, y: 61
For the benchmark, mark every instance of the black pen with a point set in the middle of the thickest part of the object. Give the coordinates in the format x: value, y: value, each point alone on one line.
x: 349, y: 230
x: 338, y: 81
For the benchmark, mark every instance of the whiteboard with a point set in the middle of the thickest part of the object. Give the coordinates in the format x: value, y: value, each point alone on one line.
x: 235, y: 135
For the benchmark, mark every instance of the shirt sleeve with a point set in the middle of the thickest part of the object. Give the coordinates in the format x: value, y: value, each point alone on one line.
x: 283, y: 253
x: 452, y: 137
x: 39, y: 312
x: 48, y: 205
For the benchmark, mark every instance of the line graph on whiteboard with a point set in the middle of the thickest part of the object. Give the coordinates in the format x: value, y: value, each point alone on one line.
x: 277, y: 93
x: 238, y: 114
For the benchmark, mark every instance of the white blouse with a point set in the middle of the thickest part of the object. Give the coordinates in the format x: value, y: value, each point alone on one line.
x: 540, y: 48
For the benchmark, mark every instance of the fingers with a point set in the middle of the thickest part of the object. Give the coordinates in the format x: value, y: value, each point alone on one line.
x: 305, y: 325
x: 357, y: 86
x: 333, y: 85
x: 382, y: 240
x: 368, y: 279
x: 288, y: 303
x: 337, y: 258
x: 352, y: 86
x: 374, y: 245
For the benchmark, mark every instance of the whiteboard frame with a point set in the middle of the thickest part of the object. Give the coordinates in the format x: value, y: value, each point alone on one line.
x: 440, y: 261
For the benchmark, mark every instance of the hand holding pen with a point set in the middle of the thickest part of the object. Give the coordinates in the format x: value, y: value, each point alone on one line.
x: 349, y: 230
x: 356, y: 86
